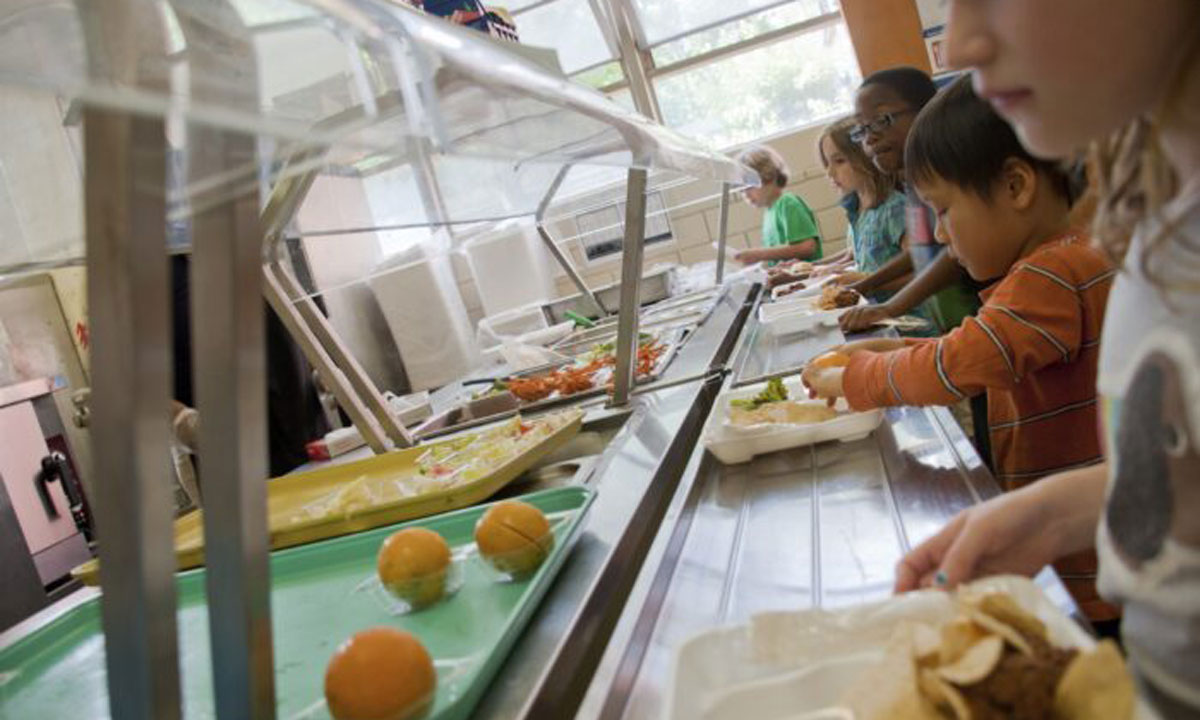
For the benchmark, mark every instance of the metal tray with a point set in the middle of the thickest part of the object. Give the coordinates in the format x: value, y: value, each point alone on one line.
x: 455, y: 419
x: 290, y: 497
x: 316, y: 600
x: 762, y: 355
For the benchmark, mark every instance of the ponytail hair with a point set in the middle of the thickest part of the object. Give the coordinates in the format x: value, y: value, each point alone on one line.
x: 1135, y: 181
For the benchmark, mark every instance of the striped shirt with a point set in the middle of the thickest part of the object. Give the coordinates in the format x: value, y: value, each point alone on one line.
x: 1033, y: 347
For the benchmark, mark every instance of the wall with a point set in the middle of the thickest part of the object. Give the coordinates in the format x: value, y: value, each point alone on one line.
x: 695, y: 225
x: 885, y: 33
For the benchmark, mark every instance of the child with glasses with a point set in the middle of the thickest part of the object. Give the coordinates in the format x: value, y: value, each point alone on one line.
x: 789, y: 229
x: 885, y: 106
x: 1033, y: 346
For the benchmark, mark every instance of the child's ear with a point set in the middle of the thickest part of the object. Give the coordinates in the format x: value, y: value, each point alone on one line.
x: 1020, y: 183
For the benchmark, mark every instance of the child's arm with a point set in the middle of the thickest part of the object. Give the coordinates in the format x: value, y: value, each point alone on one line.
x: 795, y: 251
x: 1029, y: 323
x: 941, y: 273
x: 840, y: 258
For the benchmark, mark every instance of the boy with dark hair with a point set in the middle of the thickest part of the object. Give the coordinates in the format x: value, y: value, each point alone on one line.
x: 1033, y: 345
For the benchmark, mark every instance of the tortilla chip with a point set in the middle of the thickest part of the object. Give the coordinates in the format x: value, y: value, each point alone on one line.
x: 1096, y: 686
x: 943, y: 694
x: 995, y: 627
x: 976, y: 663
x: 1004, y: 608
x: 927, y: 643
x: 957, y: 637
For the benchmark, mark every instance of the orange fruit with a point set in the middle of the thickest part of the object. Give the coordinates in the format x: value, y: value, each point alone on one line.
x: 380, y: 674
x: 412, y: 565
x: 830, y: 359
x: 514, y: 537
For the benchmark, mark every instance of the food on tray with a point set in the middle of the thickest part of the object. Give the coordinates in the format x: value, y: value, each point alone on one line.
x: 567, y: 380
x: 772, y: 406
x: 605, y: 349
x: 831, y: 359
x: 413, y: 564
x: 473, y: 456
x: 835, y: 296
x: 788, y: 412
x: 514, y: 537
x: 794, y: 267
x: 783, y: 278
x: 993, y: 660
x: 571, y: 379
x: 789, y: 289
x: 773, y: 392
x: 380, y: 674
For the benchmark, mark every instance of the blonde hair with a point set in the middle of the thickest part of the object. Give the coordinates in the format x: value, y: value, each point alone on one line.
x: 1135, y: 181
x: 769, y: 164
x: 882, y: 184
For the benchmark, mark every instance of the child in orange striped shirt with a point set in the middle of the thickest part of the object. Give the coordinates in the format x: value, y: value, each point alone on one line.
x: 1033, y: 346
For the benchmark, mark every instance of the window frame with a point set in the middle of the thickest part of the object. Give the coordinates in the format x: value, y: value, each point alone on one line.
x: 659, y: 240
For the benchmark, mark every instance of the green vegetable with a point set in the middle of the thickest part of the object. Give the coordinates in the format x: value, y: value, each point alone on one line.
x: 579, y: 320
x: 773, y: 392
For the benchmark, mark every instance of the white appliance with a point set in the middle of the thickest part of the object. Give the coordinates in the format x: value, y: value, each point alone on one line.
x: 511, y: 267
x: 427, y: 318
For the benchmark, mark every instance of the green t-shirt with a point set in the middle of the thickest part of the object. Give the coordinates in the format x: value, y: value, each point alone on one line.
x: 789, y: 221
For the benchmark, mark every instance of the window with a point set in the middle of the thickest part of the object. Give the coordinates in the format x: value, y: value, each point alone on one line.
x: 724, y: 73
x: 602, y: 230
x: 740, y: 30
x: 568, y: 26
x: 785, y: 84
x: 663, y: 20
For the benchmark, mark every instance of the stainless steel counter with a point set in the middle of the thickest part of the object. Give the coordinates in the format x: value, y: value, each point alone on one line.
x: 815, y: 527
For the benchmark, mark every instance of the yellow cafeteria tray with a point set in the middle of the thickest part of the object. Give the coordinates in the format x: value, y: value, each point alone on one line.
x: 291, y: 499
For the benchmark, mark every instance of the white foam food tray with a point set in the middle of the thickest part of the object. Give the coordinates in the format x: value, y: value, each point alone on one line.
x: 733, y: 444
x: 811, y: 287
x: 798, y: 315
x: 800, y: 664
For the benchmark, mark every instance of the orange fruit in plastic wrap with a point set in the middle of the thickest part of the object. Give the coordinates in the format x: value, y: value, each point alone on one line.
x: 380, y: 674
x: 830, y: 359
x: 413, y: 564
x: 514, y: 537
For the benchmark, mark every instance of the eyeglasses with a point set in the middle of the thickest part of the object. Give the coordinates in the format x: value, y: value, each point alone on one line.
x: 882, y: 122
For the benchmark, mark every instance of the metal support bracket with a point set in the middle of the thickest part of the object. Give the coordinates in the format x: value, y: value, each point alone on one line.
x: 631, y: 285
x: 722, y: 232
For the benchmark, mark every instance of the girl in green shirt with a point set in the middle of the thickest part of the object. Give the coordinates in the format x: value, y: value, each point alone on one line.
x: 789, y: 230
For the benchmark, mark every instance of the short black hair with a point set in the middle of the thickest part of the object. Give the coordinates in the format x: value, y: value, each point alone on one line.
x: 914, y: 86
x: 959, y: 138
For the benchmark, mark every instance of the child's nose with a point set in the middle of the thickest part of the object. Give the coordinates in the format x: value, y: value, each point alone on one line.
x: 969, y: 42
x: 941, y: 233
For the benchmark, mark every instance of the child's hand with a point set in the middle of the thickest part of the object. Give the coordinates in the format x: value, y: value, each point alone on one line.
x: 863, y: 317
x: 824, y: 383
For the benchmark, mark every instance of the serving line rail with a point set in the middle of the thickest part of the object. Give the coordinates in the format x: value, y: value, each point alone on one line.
x: 814, y: 527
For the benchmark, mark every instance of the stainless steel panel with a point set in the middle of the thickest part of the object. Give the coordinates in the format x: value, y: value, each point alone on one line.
x: 631, y: 277
x: 229, y: 357
x: 722, y: 232
x: 130, y: 361
x: 821, y: 526
x: 765, y: 355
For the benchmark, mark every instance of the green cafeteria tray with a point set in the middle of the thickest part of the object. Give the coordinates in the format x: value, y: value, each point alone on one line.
x: 316, y: 603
